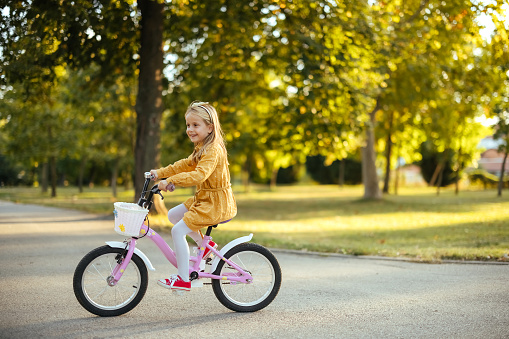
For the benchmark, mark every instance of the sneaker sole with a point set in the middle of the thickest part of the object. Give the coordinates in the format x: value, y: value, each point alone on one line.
x: 163, y: 285
x: 173, y: 288
x: 181, y: 289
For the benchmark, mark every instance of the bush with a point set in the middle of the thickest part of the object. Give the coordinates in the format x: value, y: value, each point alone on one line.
x: 480, y: 176
x: 328, y: 175
x: 430, y: 160
x: 9, y: 173
x: 288, y: 175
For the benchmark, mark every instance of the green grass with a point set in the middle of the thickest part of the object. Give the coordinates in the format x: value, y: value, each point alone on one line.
x: 415, y: 224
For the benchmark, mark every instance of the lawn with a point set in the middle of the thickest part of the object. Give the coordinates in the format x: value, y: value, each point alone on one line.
x: 415, y: 224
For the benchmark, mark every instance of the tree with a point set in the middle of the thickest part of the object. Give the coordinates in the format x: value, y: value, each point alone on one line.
x: 497, y: 55
x: 81, y: 33
x: 149, y: 103
x: 105, y: 122
x: 502, y: 132
x: 280, y: 75
x: 413, y: 41
x: 47, y: 139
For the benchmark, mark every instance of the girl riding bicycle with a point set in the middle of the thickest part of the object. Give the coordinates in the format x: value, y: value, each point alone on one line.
x: 207, y: 169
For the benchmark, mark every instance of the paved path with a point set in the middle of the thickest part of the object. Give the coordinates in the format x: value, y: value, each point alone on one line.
x: 329, y: 297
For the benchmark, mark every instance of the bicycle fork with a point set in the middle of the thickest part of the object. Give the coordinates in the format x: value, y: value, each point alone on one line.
x: 123, y: 260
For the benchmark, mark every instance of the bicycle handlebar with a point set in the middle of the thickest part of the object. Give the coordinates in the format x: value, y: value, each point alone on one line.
x: 145, y: 200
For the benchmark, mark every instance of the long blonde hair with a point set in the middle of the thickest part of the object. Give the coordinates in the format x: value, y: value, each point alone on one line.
x: 209, y: 114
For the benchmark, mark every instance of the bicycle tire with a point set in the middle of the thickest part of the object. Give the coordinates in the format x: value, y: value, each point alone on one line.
x: 266, y: 273
x: 91, y: 287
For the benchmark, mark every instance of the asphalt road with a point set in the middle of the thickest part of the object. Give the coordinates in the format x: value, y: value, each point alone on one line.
x: 321, y: 297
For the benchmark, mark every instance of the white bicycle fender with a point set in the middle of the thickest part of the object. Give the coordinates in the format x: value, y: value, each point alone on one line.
x: 118, y: 244
x: 228, y: 247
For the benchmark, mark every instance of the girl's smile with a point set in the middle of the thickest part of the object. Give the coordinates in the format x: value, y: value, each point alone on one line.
x: 197, y: 128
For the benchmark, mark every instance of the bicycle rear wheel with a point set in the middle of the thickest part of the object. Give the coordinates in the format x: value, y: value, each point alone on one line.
x: 266, y: 273
x: 91, y: 286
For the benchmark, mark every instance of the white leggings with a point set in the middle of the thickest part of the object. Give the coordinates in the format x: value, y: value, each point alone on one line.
x: 178, y: 233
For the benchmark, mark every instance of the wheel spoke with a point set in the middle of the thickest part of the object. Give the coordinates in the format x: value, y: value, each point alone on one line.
x: 98, y: 272
x: 101, y: 292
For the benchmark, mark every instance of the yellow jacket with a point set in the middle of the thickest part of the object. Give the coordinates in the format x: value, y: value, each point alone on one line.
x: 213, y: 201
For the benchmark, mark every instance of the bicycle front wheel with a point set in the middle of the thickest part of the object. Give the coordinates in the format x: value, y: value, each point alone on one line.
x: 266, y: 273
x: 91, y: 282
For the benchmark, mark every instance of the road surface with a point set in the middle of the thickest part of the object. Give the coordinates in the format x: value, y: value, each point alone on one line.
x: 320, y: 297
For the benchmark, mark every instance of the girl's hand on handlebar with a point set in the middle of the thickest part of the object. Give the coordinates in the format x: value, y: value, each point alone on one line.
x: 153, y: 174
x: 164, y: 186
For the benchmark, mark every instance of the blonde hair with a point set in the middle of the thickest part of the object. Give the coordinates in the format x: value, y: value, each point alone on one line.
x: 209, y: 114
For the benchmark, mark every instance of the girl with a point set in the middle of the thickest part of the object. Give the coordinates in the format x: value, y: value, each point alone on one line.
x: 207, y: 169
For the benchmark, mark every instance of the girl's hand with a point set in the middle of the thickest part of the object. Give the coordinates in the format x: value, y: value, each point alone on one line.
x: 170, y: 187
x: 154, y: 174
x: 163, y: 184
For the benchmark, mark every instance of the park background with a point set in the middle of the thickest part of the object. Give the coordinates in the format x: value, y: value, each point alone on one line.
x: 323, y: 103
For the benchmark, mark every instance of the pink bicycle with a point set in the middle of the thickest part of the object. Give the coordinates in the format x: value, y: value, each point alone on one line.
x: 111, y: 280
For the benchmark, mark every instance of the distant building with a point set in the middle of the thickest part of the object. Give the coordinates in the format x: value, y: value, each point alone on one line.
x: 411, y: 175
x: 491, y: 159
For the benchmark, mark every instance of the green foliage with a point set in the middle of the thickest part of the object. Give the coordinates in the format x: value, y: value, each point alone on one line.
x: 80, y: 120
x: 289, y: 79
x: 38, y: 36
x: 286, y: 58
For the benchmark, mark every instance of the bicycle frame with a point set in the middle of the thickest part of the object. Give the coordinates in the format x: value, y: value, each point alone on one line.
x: 239, y: 276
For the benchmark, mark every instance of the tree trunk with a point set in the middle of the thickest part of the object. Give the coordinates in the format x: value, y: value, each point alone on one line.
x: 273, y: 177
x: 387, y: 178
x: 440, y: 177
x: 149, y: 104
x: 114, y: 176
x: 91, y: 176
x: 246, y: 173
x: 457, y: 179
x: 44, y: 177
x: 81, y: 174
x: 398, y: 170
x: 388, y: 151
x: 438, y: 169
x: 341, y: 180
x: 369, y: 175
x: 501, y: 179
x: 53, y: 172
x: 126, y: 177
x: 442, y: 168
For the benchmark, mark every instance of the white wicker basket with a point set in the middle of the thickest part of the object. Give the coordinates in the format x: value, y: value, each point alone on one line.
x: 129, y: 218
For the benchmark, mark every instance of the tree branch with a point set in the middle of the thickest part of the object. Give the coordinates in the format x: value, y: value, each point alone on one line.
x: 423, y: 4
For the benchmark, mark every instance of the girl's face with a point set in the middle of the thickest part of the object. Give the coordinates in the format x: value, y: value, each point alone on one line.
x: 197, y: 128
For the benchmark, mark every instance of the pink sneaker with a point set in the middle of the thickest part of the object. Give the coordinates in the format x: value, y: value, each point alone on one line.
x: 175, y: 283
x: 208, y: 251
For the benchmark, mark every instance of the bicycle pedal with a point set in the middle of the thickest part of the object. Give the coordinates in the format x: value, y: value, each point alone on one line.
x: 197, y: 283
